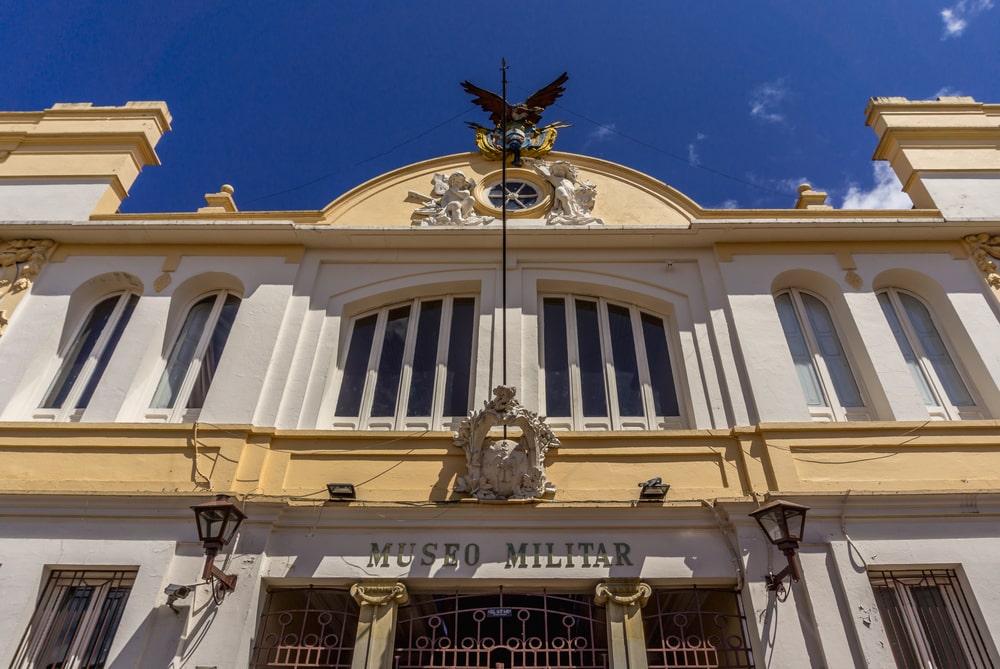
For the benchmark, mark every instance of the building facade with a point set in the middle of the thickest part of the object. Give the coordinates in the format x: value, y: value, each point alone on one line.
x: 346, y: 376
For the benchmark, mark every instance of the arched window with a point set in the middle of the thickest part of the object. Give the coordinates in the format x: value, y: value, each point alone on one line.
x: 938, y: 378
x: 86, y: 358
x: 605, y: 366
x: 823, y: 367
x: 194, y: 357
x: 409, y: 366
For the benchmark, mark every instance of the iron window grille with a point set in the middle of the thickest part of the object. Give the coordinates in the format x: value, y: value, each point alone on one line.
x: 522, y: 631
x: 606, y: 366
x: 928, y: 620
x: 306, y: 627
x: 75, y: 620
x: 696, y: 628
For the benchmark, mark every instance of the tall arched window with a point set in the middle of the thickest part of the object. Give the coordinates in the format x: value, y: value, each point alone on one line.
x: 86, y: 358
x: 409, y: 366
x: 194, y: 357
x: 606, y: 366
x: 824, y: 370
x: 937, y: 377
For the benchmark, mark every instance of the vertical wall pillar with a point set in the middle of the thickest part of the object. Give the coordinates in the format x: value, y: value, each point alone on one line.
x: 379, y: 601
x: 624, y: 599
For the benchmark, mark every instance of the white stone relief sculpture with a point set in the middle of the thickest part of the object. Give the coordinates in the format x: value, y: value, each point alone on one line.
x: 498, y: 468
x: 573, y: 200
x: 451, y: 202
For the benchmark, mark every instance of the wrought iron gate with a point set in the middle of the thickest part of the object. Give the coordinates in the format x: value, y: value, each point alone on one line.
x: 508, y: 631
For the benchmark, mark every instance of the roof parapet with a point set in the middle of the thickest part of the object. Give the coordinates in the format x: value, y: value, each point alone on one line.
x: 44, y: 154
x: 942, y: 150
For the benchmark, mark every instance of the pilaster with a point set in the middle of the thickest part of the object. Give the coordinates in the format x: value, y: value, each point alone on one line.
x: 379, y: 601
x: 624, y: 599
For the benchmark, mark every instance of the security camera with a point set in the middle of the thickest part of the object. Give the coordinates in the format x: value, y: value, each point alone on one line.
x: 175, y: 592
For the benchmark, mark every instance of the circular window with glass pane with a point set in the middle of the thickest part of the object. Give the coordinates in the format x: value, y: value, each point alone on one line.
x: 520, y: 195
x: 526, y: 195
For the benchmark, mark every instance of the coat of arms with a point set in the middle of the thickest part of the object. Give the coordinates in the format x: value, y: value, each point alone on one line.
x: 500, y: 468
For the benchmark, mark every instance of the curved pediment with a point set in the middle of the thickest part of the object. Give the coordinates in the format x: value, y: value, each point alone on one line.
x: 462, y: 190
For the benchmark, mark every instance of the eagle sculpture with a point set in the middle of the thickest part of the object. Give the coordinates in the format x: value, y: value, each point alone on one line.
x: 514, y: 126
x: 530, y: 110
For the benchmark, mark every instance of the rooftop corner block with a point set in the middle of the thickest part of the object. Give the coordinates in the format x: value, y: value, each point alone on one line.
x: 75, y: 160
x: 946, y: 152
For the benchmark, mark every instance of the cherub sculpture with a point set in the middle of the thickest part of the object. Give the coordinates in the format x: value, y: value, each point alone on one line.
x: 451, y: 202
x: 572, y: 199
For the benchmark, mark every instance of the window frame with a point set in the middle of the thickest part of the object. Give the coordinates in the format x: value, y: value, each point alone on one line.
x: 363, y: 420
x: 834, y: 410
x: 90, y: 371
x: 944, y: 409
x: 613, y: 420
x: 916, y: 641
x: 179, y: 411
x: 83, y: 641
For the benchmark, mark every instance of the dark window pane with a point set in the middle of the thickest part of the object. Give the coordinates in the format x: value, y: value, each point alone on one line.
x: 588, y: 337
x: 456, y: 387
x: 661, y: 377
x: 356, y: 366
x: 182, y: 354
x: 210, y: 361
x: 109, y: 348
x: 391, y: 363
x: 76, y: 356
x: 626, y: 366
x: 556, y: 358
x: 425, y: 359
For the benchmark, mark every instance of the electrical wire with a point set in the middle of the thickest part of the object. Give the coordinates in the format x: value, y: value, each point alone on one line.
x: 669, y: 154
x: 369, y: 159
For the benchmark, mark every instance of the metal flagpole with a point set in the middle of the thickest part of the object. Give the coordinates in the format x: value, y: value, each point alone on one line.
x: 503, y: 219
x: 503, y: 215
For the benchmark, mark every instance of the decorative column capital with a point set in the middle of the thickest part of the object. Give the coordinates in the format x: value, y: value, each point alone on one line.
x: 624, y: 593
x: 379, y: 593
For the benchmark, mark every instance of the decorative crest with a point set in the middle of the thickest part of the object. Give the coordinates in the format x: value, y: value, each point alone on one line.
x: 521, y: 134
x: 505, y: 468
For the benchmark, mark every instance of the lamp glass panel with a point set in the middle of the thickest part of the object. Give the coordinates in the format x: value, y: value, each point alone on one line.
x: 211, y: 523
x: 771, y: 523
x: 796, y: 520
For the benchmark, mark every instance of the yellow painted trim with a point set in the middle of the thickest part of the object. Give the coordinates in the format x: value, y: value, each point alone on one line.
x: 844, y: 251
x: 174, y: 252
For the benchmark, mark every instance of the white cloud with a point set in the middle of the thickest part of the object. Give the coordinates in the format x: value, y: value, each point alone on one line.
x: 602, y: 133
x: 693, y: 157
x: 728, y: 204
x: 766, y: 99
x: 956, y: 18
x: 945, y: 92
x: 887, y: 193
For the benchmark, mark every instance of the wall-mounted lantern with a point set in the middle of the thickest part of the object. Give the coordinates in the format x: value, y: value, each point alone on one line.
x: 217, y: 521
x: 783, y: 524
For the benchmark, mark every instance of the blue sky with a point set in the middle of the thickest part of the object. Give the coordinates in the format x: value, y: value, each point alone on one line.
x: 734, y: 102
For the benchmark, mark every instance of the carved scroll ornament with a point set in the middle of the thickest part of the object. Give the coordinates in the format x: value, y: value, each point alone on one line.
x: 984, y: 248
x: 20, y: 262
x: 379, y: 594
